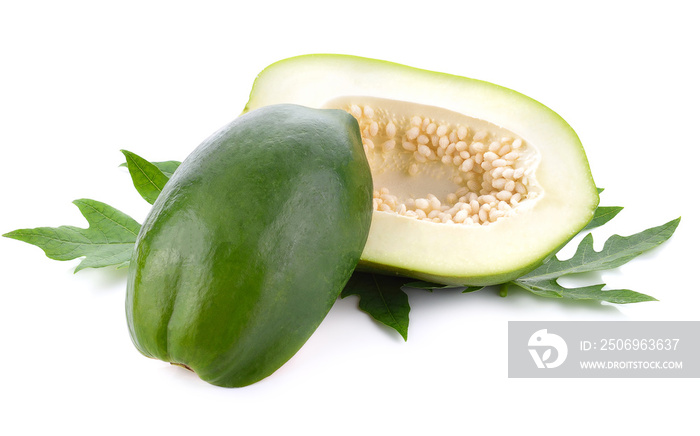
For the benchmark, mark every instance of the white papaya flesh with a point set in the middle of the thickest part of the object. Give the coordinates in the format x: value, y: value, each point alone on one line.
x: 474, y: 184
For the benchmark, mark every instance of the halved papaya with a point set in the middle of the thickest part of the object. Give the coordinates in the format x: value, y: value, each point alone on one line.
x: 474, y: 184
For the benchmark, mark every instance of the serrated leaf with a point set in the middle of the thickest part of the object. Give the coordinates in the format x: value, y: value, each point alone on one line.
x: 429, y: 286
x: 552, y: 289
x: 602, y: 215
x: 167, y: 167
x: 617, y: 251
x: 109, y: 239
x: 148, y: 179
x: 382, y: 298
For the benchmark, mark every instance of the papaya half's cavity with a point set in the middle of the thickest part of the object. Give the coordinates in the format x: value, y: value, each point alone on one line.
x: 442, y: 167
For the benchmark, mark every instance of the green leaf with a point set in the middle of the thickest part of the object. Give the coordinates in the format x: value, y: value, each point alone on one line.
x: 109, y: 239
x: 552, y: 289
x: 167, y: 167
x: 617, y: 251
x: 602, y: 215
x: 382, y: 298
x: 148, y: 179
x: 429, y: 286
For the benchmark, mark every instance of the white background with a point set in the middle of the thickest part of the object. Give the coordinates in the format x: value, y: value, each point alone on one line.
x: 81, y: 80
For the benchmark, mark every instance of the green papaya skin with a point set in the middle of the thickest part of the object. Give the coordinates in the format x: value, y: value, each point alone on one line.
x: 250, y: 243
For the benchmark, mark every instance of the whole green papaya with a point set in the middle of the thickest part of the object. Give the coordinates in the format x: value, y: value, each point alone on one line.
x: 250, y: 243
